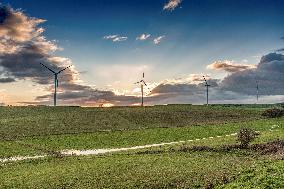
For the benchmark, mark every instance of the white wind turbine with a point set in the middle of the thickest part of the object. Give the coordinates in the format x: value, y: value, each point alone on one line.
x: 207, y: 86
x: 55, y: 79
x: 142, y: 84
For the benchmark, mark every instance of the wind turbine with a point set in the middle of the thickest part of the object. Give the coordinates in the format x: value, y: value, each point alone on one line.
x: 257, y: 91
x: 55, y: 79
x: 207, y: 86
x: 142, y: 84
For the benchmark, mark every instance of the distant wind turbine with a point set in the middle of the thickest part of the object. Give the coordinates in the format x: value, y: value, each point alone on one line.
x: 142, y: 84
x: 207, y: 86
x: 55, y: 79
x: 257, y: 91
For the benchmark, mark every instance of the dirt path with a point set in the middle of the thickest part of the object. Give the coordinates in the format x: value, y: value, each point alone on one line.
x: 70, y: 152
x: 104, y: 151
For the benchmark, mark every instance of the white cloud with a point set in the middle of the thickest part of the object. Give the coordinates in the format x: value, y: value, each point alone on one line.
x: 110, y: 36
x: 172, y: 4
x: 118, y: 39
x: 230, y: 66
x: 143, y: 37
x: 158, y: 39
x: 115, y: 38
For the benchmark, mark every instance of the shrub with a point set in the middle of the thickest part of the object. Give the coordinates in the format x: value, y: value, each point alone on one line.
x: 273, y: 112
x: 245, y: 136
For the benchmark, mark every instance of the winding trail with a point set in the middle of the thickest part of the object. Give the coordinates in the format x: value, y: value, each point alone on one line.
x: 103, y: 151
x: 71, y: 152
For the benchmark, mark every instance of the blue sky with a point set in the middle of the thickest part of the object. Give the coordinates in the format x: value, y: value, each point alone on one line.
x: 197, y: 33
x: 254, y: 25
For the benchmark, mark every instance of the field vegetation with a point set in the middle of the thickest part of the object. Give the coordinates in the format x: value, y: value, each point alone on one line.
x: 216, y: 159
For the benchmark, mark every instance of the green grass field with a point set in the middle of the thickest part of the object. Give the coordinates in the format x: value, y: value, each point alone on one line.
x: 43, y: 130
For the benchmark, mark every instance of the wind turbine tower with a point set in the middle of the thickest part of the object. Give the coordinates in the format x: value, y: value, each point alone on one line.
x: 207, y: 86
x: 142, y: 84
x: 55, y: 79
x: 257, y: 91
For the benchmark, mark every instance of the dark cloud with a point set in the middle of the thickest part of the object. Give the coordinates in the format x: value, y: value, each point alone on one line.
x: 91, y: 97
x: 271, y: 57
x: 280, y: 50
x: 23, y: 48
x: 183, y: 88
x: 4, y: 12
x: 7, y: 80
x: 237, y: 87
x: 25, y: 64
x: 176, y: 89
x: 167, y: 93
x: 269, y: 73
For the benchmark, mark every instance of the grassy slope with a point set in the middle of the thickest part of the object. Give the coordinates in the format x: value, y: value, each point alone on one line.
x: 266, y: 174
x: 130, y: 138
x: 239, y: 169
x: 30, y: 145
x: 157, y: 170
x: 19, y: 122
x: 28, y: 130
x: 11, y: 148
x: 126, y: 171
x: 164, y: 169
x: 146, y: 136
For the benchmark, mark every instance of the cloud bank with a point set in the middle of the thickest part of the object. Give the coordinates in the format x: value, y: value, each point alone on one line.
x: 238, y: 87
x: 269, y: 73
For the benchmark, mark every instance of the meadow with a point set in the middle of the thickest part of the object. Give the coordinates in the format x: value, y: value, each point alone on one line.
x: 48, y: 130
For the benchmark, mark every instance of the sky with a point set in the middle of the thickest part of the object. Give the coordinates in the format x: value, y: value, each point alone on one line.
x: 236, y: 45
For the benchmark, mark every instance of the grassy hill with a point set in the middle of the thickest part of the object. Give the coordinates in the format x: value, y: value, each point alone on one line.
x: 18, y: 122
x: 204, y: 162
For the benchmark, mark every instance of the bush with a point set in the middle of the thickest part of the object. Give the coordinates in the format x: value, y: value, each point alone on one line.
x: 269, y: 147
x: 245, y: 136
x: 273, y: 112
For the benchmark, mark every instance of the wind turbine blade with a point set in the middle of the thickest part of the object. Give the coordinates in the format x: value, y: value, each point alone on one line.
x: 205, y: 80
x: 144, y: 83
x: 143, y: 74
x: 48, y: 68
x: 137, y: 82
x: 64, y: 69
